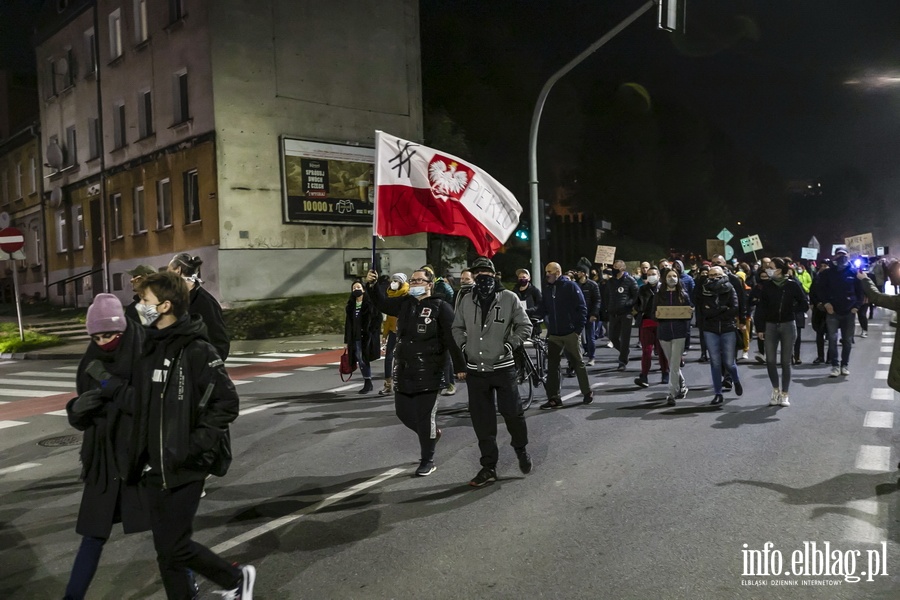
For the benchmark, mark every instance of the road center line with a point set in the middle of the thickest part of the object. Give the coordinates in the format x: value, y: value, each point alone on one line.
x: 578, y: 393
x: 260, y: 407
x: 272, y: 525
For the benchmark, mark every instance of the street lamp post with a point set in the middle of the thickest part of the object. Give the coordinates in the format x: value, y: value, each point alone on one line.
x: 536, y: 264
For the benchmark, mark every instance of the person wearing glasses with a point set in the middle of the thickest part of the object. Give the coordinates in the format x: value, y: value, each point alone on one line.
x: 137, y: 275
x: 104, y: 411
x: 424, y: 344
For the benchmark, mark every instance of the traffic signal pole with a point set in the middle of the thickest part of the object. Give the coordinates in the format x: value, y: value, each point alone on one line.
x: 536, y: 265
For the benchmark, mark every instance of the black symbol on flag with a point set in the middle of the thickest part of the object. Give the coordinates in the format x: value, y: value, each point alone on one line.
x: 403, y: 157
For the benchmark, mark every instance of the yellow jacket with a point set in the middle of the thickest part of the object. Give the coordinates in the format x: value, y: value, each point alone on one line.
x: 390, y: 323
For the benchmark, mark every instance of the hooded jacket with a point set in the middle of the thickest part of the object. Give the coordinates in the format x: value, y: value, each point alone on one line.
x: 204, y: 304
x: 563, y: 307
x: 717, y: 302
x: 187, y: 404
x: 488, y: 340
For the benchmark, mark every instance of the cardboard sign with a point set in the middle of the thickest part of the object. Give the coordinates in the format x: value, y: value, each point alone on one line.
x: 606, y: 255
x: 746, y: 245
x: 714, y: 247
x: 755, y: 242
x: 860, y: 245
x: 674, y: 312
x: 809, y: 253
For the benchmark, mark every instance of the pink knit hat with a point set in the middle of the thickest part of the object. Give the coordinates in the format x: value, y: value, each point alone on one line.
x: 105, y: 314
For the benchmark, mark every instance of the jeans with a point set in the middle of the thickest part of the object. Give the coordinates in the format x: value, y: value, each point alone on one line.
x: 587, y: 339
x: 389, y: 346
x: 417, y: 412
x: 555, y: 346
x: 846, y: 324
x: 482, y: 387
x: 620, y: 335
x: 171, y: 520
x: 784, y: 334
x: 364, y: 367
x: 673, y: 349
x: 649, y: 342
x: 721, y: 357
x: 84, y: 568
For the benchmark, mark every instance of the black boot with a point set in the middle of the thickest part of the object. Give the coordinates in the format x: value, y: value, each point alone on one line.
x: 367, y: 387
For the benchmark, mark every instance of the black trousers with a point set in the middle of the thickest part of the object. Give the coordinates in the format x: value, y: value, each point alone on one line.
x: 482, y: 389
x: 620, y: 335
x: 417, y: 411
x: 171, y: 520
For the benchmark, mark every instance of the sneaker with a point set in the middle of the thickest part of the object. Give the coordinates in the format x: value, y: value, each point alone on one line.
x: 670, y: 400
x: 525, y: 463
x: 609, y: 345
x: 717, y: 399
x: 760, y: 358
x: 588, y: 398
x: 703, y: 358
x: 727, y: 385
x: 244, y: 590
x: 818, y: 360
x: 864, y: 334
x: 621, y: 367
x: 551, y: 404
x: 785, y: 401
x: 745, y: 356
x: 641, y: 381
x: 845, y: 370
x: 835, y: 372
x: 776, y: 397
x: 589, y: 363
x: 682, y: 394
x: 485, y: 476
x: 665, y: 379
x: 738, y: 388
x: 426, y: 467
x: 449, y: 390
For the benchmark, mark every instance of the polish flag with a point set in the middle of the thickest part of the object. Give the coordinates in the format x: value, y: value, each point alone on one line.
x: 420, y: 189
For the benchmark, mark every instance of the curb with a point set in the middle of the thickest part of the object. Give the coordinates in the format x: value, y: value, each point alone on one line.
x: 77, y: 355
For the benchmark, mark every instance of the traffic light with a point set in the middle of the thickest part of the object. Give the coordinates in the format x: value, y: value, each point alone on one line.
x: 546, y: 219
x: 522, y: 231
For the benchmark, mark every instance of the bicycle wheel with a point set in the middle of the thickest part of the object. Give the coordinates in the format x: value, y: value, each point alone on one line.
x: 526, y: 392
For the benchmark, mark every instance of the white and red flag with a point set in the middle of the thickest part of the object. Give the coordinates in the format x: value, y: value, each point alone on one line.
x: 421, y: 189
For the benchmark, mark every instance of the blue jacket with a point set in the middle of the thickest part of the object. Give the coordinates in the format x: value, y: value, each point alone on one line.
x: 840, y: 288
x: 563, y: 307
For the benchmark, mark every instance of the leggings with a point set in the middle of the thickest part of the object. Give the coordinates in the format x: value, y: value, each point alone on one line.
x: 784, y: 334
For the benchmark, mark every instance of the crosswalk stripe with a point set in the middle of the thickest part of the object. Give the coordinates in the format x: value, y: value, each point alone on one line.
x: 58, y: 413
x: 7, y: 362
x: 344, y: 388
x: 874, y: 458
x: 44, y: 374
x: 5, y: 424
x: 68, y: 368
x: 884, y: 360
x: 879, y: 419
x: 241, y: 381
x: 310, y: 369
x: 862, y: 530
x: 274, y: 375
x: 881, y: 374
x: 31, y: 393
x: 21, y: 467
x: 59, y: 384
x: 286, y: 354
x: 882, y: 394
x: 887, y: 349
x: 242, y: 359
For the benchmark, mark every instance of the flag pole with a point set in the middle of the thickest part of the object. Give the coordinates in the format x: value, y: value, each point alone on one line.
x: 374, y: 262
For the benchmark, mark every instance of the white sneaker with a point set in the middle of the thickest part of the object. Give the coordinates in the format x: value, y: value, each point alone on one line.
x: 784, y: 399
x: 745, y: 356
x: 449, y: 390
x: 835, y: 372
x: 609, y: 345
x: 245, y: 590
x: 844, y: 370
x: 589, y: 363
x: 776, y: 397
x: 864, y: 334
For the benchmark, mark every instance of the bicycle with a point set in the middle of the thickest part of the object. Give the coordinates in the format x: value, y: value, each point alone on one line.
x: 531, y: 373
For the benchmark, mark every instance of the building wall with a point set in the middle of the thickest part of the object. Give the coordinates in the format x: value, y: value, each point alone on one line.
x: 325, y: 71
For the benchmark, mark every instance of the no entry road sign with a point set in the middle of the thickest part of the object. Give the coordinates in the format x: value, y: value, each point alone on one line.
x: 11, y: 240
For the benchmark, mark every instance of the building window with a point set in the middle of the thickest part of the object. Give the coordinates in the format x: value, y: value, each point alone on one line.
x: 140, y: 225
x: 71, y: 147
x: 51, y: 79
x: 115, y: 216
x: 18, y: 181
x: 176, y: 10
x: 93, y: 138
x: 191, y: 197
x: 61, y: 224
x: 145, y: 113
x: 32, y: 174
x: 117, y: 282
x: 90, y: 51
x: 67, y: 69
x: 180, y: 95
x: 115, y: 34
x: 77, y: 227
x: 37, y: 251
x: 140, y: 21
x: 119, y: 126
x: 163, y: 204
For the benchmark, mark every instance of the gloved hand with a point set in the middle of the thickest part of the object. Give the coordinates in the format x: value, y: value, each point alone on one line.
x: 88, y: 401
x: 96, y: 370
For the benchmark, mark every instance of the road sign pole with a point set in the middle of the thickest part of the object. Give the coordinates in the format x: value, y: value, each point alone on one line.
x: 15, y: 275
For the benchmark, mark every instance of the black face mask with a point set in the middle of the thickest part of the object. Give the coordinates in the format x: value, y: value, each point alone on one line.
x: 356, y: 293
x: 615, y: 272
x: 484, y: 285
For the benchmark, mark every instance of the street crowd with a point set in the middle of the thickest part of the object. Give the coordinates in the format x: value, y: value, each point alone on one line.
x: 155, y: 401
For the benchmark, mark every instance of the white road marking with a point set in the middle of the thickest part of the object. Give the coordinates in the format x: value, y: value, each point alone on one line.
x: 241, y: 381
x: 310, y: 369
x: 252, y: 360
x: 344, y: 388
x: 882, y: 394
x: 881, y: 374
x: 58, y: 413
x: 60, y: 384
x: 286, y: 354
x: 337, y: 364
x: 274, y: 375
x: 21, y: 467
x: 33, y: 393
x: 874, y: 458
x: 887, y: 349
x: 5, y: 424
x: 272, y: 525
x: 7, y: 362
x: 69, y: 368
x: 260, y: 407
x: 879, y: 418
x: 45, y: 374
x: 860, y: 529
x: 578, y: 393
x: 884, y: 360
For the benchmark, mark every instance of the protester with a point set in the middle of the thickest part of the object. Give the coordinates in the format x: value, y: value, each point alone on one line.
x: 699, y: 280
x: 104, y: 410
x: 137, y: 274
x: 489, y: 326
x: 841, y: 296
x: 647, y: 329
x: 591, y: 292
x: 891, y: 302
x: 717, y: 300
x: 362, y: 325
x: 527, y: 293
x: 672, y: 336
x: 818, y: 315
x: 780, y: 299
x: 424, y: 341
x: 565, y: 312
x: 183, y: 435
x: 202, y: 302
x: 623, y: 292
x: 397, y: 287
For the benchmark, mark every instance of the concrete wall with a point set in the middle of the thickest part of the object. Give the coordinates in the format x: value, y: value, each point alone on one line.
x: 329, y: 71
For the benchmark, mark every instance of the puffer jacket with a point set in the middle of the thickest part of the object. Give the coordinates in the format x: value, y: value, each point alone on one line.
x: 717, y: 302
x: 424, y: 338
x: 390, y: 322
x: 780, y: 304
x: 623, y: 294
x: 489, y: 340
x: 646, y: 304
x: 563, y: 307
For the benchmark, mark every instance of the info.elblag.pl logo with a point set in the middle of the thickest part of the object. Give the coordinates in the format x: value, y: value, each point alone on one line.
x: 812, y: 564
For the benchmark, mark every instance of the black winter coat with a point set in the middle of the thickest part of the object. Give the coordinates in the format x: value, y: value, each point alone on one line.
x: 591, y: 292
x: 365, y: 328
x: 204, y: 304
x: 622, y: 293
x: 108, y: 448
x: 717, y: 302
x: 563, y: 308
x: 672, y: 329
x: 424, y: 337
x: 646, y: 303
x: 780, y: 304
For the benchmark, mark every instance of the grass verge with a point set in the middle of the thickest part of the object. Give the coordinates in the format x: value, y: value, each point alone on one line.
x: 303, y: 315
x: 10, y: 342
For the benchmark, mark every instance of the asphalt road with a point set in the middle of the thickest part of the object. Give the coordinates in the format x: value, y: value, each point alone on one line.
x: 628, y: 498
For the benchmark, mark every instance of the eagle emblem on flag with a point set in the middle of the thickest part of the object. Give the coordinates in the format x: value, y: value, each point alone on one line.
x: 449, y: 178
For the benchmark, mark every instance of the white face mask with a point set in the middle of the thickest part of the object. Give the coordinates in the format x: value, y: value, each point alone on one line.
x: 395, y: 285
x: 147, y: 313
x: 770, y: 273
x: 671, y: 281
x: 416, y: 291
x: 652, y: 279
